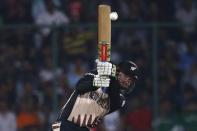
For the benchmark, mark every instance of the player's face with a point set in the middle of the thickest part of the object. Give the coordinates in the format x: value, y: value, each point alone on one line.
x: 125, y: 80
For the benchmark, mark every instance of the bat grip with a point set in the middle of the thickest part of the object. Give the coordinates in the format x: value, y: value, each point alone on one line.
x: 103, y: 55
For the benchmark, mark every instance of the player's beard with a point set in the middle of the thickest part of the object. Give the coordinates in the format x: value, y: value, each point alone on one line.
x: 124, y: 83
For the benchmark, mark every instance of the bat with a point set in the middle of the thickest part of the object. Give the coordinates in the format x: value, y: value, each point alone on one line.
x: 104, y: 32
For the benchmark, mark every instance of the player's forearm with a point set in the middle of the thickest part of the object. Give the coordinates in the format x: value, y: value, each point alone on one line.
x: 85, y: 85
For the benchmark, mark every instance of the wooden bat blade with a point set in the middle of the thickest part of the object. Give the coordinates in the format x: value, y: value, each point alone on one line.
x: 104, y: 32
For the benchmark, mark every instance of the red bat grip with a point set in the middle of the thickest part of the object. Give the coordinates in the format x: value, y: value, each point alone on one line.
x: 103, y: 56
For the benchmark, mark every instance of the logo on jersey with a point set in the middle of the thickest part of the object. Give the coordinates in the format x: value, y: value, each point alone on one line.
x: 133, y: 68
x: 100, y: 99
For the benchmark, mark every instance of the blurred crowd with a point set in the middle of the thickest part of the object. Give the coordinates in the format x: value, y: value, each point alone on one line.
x: 40, y: 65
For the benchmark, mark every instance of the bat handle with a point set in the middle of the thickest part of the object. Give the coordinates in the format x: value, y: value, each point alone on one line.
x: 104, y: 54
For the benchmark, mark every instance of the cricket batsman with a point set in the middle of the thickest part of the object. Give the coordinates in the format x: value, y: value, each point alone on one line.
x: 97, y: 94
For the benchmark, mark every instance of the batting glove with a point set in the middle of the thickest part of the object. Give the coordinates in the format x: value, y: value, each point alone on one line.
x: 101, y: 81
x: 105, y: 68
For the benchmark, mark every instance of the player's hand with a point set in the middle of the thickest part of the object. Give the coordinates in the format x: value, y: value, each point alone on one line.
x: 101, y: 81
x: 105, y: 68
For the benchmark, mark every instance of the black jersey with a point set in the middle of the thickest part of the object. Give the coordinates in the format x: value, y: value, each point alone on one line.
x: 88, y: 103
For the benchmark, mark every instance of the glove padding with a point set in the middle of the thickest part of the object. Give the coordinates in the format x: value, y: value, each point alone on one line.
x: 105, y: 68
x: 101, y: 81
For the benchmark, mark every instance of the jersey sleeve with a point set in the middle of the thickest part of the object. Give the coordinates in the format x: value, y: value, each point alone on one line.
x: 85, y: 84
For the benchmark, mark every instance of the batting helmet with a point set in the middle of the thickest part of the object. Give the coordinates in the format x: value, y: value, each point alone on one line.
x: 129, y: 68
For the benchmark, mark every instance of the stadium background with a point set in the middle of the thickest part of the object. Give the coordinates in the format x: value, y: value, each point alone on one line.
x: 42, y: 56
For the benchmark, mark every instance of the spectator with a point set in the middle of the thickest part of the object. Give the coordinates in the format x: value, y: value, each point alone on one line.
x: 75, y: 10
x: 186, y: 52
x: 48, y: 72
x: 132, y: 11
x: 50, y: 17
x: 153, y: 14
x: 136, y: 13
x: 139, y: 118
x: 30, y: 92
x: 166, y: 120
x: 188, y: 94
x: 39, y: 6
x: 186, y: 14
x: 191, y: 76
x: 75, y: 72
x: 7, y: 117
x: 17, y: 11
x: 27, y: 118
x: 189, y: 115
